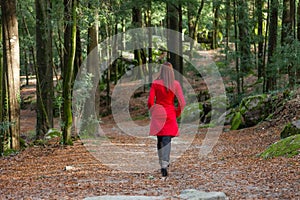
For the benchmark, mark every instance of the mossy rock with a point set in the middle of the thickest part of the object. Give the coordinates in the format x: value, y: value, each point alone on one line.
x: 237, y: 121
x: 287, y: 147
x: 254, y: 109
x: 252, y: 102
x: 292, y: 128
x: 192, y: 112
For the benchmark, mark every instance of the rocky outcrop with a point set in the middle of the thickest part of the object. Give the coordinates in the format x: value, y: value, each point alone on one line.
x: 292, y: 128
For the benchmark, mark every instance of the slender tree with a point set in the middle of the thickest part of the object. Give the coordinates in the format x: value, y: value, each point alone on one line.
x: 237, y: 68
x: 193, y: 21
x: 174, y: 40
x: 259, y: 11
x: 44, y: 88
x: 271, y: 71
x: 216, y: 11
x: 244, y: 39
x: 298, y: 39
x: 137, y: 22
x: 68, y: 74
x: 10, y: 97
x: 92, y: 69
x: 227, y: 29
x: 149, y: 24
x: 287, y: 35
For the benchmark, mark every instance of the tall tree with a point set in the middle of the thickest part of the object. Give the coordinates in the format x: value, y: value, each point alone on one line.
x: 137, y: 22
x: 10, y: 104
x: 238, y: 81
x: 149, y: 24
x: 259, y: 14
x: 193, y: 20
x: 244, y: 39
x: 216, y: 11
x: 68, y: 71
x: 287, y: 34
x: 92, y: 68
x: 298, y: 38
x: 44, y: 88
x: 174, y: 38
x: 227, y: 29
x: 271, y: 71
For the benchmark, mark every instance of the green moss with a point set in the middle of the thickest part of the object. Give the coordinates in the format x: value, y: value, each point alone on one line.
x: 236, y: 121
x: 289, y: 130
x: 287, y: 147
x: 9, y: 152
x: 251, y: 102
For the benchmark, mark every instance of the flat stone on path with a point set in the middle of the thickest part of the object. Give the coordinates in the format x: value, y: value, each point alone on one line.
x: 189, y: 194
x: 192, y: 194
x: 125, y: 198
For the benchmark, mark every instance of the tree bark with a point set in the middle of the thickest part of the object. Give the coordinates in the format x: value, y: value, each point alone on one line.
x: 11, y: 74
x: 44, y: 77
x: 244, y: 40
x: 271, y: 72
x: 260, y: 66
x: 67, y: 80
x: 174, y: 40
x: 287, y: 36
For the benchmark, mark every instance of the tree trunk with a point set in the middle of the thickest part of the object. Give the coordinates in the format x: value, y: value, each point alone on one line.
x: 137, y: 23
x: 244, y: 40
x: 89, y: 114
x: 216, y: 10
x: 271, y: 72
x: 237, y: 66
x: 227, y: 29
x: 11, y: 75
x: 44, y: 87
x: 260, y: 66
x: 149, y: 41
x: 287, y: 35
x: 193, y: 24
x: 67, y: 79
x: 298, y: 38
x: 174, y: 39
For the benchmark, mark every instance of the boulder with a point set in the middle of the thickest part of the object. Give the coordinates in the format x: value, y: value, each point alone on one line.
x: 192, y: 194
x: 292, y: 128
x: 254, y: 109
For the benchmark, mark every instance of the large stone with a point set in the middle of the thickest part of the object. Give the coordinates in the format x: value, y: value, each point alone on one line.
x: 107, y: 197
x: 290, y: 129
x: 254, y: 109
x: 192, y: 194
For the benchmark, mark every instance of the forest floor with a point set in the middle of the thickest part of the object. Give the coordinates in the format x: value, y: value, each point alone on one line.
x: 55, y: 171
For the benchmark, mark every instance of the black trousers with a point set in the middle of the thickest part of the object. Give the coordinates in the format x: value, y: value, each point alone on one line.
x: 164, y: 150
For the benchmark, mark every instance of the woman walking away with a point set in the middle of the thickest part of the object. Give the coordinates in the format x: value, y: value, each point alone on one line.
x: 164, y: 112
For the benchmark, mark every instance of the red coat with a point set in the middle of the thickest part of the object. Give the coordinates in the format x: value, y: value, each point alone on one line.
x: 162, y: 108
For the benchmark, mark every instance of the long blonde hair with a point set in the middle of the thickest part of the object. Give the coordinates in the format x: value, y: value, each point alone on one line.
x: 167, y: 75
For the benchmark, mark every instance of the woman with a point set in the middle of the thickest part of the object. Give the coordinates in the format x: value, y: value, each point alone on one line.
x: 163, y: 112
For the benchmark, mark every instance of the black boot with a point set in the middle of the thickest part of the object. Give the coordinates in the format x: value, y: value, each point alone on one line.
x: 164, y: 172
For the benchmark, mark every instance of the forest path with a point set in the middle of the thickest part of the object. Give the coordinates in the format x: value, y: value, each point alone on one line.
x: 72, y: 172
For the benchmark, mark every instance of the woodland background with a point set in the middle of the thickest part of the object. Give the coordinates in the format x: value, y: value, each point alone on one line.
x: 46, y: 39
x: 255, y: 45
